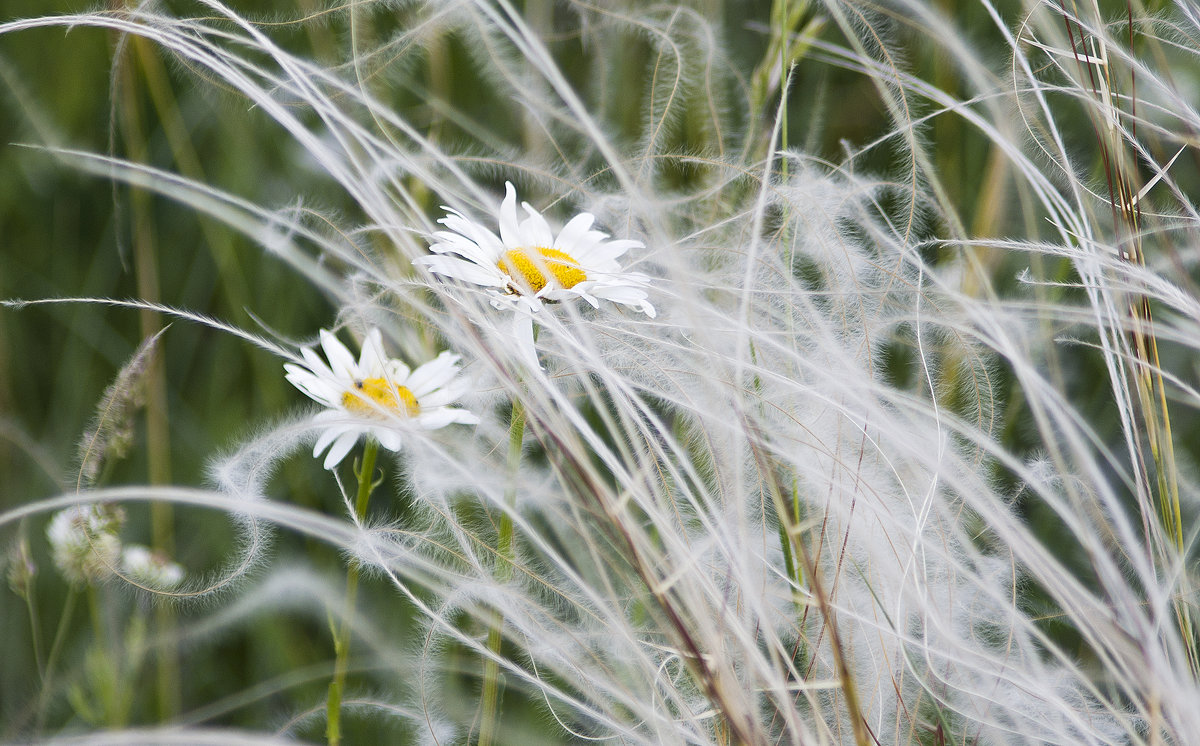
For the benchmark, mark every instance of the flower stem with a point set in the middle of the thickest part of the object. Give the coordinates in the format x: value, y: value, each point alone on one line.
x: 35, y: 632
x: 341, y: 631
x: 108, y: 681
x: 504, y: 551
x: 64, y: 621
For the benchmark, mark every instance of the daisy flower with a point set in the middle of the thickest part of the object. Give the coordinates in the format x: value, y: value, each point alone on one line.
x: 378, y: 396
x: 527, y: 264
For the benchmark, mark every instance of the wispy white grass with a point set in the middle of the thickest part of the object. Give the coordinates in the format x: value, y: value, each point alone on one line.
x: 808, y: 356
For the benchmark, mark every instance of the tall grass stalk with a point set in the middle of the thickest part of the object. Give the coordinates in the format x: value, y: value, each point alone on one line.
x: 158, y: 433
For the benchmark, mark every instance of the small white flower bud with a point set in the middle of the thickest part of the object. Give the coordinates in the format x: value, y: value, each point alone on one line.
x: 150, y: 568
x: 84, y: 542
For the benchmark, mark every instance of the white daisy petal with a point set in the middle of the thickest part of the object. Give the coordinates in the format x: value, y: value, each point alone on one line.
x: 447, y: 393
x: 464, y: 417
x: 371, y: 359
x: 534, y: 230
x: 387, y: 438
x: 462, y: 230
x: 627, y: 296
x: 451, y: 243
x: 584, y: 246
x: 340, y: 448
x: 575, y: 229
x: 294, y: 369
x: 316, y: 389
x: 610, y: 250
x: 435, y: 373
x: 461, y: 269
x: 326, y: 437
x: 523, y: 335
x: 397, y: 373
x: 509, y: 234
x: 325, y: 390
x: 442, y: 397
x: 341, y: 362
x: 315, y: 363
x: 583, y: 292
x: 446, y: 416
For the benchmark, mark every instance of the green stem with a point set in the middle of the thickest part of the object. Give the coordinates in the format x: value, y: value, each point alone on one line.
x: 341, y: 631
x: 504, y: 551
x: 106, y: 649
x: 786, y: 545
x: 158, y: 430
x: 146, y: 272
x: 34, y: 630
x: 516, y: 437
x: 64, y: 621
x: 783, y: 87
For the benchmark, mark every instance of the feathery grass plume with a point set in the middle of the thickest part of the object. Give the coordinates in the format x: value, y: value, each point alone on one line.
x: 1111, y: 81
x: 844, y: 487
x: 110, y: 434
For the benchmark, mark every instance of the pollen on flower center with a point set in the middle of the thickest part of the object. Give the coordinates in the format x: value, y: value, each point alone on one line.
x: 530, y: 270
x: 375, y: 396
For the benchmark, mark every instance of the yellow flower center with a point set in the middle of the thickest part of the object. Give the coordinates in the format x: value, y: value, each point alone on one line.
x: 376, y: 396
x: 530, y: 271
